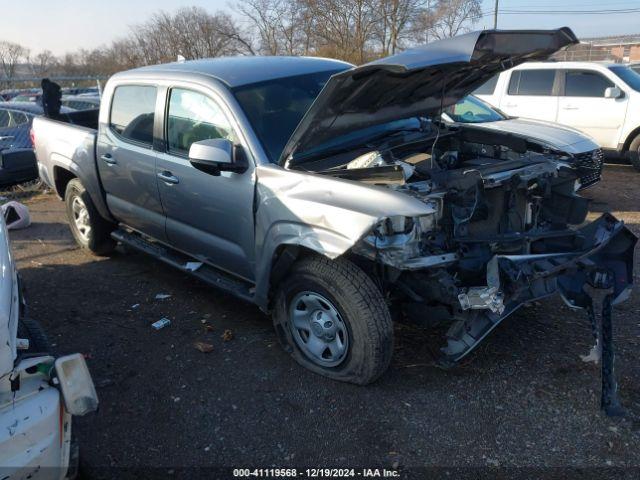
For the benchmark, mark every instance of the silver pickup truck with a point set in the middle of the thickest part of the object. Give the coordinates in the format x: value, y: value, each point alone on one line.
x: 334, y: 198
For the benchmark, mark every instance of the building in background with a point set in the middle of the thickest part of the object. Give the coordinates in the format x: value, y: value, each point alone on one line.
x: 619, y: 49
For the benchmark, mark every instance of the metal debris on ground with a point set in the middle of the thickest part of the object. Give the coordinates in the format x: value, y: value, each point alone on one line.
x: 162, y: 296
x: 192, y: 266
x: 227, y: 335
x: 203, y: 347
x: 163, y: 322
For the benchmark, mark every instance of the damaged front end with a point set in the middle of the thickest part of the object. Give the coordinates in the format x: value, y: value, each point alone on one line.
x: 500, y: 239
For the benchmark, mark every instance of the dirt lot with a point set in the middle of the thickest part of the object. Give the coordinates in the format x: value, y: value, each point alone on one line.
x: 523, y: 399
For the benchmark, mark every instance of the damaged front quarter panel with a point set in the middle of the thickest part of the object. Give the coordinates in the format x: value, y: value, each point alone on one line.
x: 323, y: 214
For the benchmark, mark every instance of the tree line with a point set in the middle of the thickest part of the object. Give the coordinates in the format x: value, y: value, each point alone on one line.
x: 356, y: 31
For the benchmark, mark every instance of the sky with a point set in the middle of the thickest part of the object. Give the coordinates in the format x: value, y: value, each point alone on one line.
x: 69, y: 25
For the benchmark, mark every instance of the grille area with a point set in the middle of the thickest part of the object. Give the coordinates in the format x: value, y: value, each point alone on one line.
x: 589, y: 167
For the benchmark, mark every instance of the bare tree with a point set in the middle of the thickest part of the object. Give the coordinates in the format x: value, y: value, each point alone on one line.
x: 11, y: 54
x: 43, y: 63
x: 397, y: 18
x: 452, y: 17
x: 280, y: 26
x: 344, y: 30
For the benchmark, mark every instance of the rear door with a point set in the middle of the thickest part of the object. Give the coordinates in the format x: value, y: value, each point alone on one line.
x: 584, y: 106
x: 531, y: 93
x: 209, y: 217
x: 127, y: 161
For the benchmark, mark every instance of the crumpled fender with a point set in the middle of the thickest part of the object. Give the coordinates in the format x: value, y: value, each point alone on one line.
x: 324, y: 214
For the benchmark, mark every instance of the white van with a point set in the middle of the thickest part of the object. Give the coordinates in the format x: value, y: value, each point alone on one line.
x: 600, y: 99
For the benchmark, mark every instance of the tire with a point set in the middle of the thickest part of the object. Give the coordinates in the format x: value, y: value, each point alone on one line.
x: 90, y: 230
x: 634, y: 153
x: 338, y: 290
x: 38, y: 340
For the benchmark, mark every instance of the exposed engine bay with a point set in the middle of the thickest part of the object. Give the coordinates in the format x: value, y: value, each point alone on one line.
x: 506, y: 230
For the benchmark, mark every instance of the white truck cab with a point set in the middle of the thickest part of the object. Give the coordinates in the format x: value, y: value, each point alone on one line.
x: 600, y: 99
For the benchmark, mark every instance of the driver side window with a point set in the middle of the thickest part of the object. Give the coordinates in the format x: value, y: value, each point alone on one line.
x: 192, y: 117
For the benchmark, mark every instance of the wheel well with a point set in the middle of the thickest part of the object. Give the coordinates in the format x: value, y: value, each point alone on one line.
x: 61, y: 177
x: 630, y: 138
x: 283, y: 259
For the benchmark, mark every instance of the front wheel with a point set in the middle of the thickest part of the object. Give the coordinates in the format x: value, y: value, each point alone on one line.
x: 334, y: 321
x: 89, y: 229
x: 634, y: 153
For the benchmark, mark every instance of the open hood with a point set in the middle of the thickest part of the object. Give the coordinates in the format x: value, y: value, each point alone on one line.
x: 416, y: 82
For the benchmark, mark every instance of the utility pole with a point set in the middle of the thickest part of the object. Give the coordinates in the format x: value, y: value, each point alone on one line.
x: 495, y: 16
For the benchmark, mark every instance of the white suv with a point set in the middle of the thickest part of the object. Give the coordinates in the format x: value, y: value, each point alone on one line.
x: 600, y: 99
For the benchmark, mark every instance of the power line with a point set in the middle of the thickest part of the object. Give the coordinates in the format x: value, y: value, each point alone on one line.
x: 572, y: 12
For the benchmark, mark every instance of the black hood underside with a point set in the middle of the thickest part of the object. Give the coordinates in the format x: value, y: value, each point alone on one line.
x: 416, y: 82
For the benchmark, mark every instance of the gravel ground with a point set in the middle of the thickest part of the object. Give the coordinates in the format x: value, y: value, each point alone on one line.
x: 523, y: 400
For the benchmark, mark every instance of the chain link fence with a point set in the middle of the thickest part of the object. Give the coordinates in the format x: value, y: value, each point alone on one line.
x: 622, y: 51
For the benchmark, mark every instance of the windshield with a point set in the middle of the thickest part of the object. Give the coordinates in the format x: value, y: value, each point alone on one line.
x: 275, y: 107
x: 628, y: 76
x: 473, y: 110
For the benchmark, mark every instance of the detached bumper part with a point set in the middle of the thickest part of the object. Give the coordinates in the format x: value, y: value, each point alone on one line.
x: 601, y: 257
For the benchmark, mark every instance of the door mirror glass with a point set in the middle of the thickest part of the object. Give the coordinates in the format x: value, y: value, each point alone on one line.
x: 613, y: 92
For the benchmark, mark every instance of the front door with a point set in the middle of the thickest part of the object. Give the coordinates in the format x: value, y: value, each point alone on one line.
x: 209, y: 217
x: 127, y: 161
x: 584, y: 106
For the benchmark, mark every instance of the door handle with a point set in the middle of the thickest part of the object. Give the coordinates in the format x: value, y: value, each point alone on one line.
x: 108, y: 159
x: 570, y: 107
x: 168, y: 177
x: 511, y: 105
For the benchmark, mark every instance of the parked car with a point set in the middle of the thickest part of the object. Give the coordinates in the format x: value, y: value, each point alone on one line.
x: 80, y: 102
x: 17, y: 159
x: 83, y: 91
x: 599, y: 99
x: 567, y: 144
x: 28, y: 97
x: 329, y: 196
x: 39, y: 393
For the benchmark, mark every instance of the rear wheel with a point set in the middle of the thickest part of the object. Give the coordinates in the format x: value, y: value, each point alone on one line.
x: 334, y: 321
x: 634, y: 153
x: 89, y: 229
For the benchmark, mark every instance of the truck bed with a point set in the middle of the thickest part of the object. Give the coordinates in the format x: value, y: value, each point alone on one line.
x: 81, y: 118
x: 65, y: 147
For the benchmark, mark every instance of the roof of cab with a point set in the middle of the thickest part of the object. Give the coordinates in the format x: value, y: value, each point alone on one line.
x: 238, y: 71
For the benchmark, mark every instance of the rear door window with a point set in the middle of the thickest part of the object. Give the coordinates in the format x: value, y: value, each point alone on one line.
x: 532, y: 82
x: 581, y: 83
x: 132, y: 113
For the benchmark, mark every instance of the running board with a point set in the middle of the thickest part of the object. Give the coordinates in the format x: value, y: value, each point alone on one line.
x: 206, y: 273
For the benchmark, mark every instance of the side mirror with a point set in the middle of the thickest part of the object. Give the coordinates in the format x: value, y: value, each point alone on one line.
x: 216, y: 155
x: 613, y: 92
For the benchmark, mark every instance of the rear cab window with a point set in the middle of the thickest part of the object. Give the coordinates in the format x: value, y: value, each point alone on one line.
x: 532, y: 82
x: 132, y: 113
x: 584, y: 83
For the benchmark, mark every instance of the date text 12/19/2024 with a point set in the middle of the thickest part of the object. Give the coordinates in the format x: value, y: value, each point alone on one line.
x: 315, y: 473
